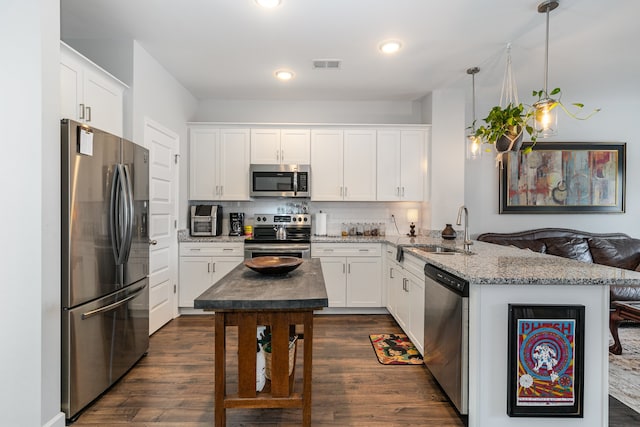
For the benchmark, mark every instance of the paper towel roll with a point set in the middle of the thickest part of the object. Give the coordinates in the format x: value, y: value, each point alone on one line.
x: 321, y: 224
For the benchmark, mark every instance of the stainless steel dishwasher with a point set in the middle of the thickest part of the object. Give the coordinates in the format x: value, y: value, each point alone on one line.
x: 446, y: 333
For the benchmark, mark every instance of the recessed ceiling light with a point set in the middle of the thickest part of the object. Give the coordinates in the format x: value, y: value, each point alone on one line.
x: 284, y: 75
x: 269, y: 4
x: 390, y: 46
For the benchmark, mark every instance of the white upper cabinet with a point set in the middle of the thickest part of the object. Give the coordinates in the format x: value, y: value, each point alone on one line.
x: 400, y: 165
x: 360, y: 165
x: 280, y: 146
x: 218, y: 164
x: 343, y: 165
x: 89, y: 94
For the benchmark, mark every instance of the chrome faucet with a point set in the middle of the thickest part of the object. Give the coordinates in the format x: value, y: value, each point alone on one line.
x: 467, y: 239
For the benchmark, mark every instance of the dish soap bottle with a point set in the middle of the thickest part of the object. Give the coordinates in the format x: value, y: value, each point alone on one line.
x: 449, y: 233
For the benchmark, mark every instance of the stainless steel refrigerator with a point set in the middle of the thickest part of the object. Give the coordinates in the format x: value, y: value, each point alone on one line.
x: 105, y: 261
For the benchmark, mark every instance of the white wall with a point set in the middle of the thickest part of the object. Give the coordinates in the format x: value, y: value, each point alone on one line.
x: 400, y: 112
x: 615, y: 123
x: 446, y: 158
x: 30, y: 269
x: 157, y: 95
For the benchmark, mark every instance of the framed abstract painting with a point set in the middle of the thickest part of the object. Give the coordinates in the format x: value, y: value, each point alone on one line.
x: 545, y: 361
x: 564, y: 177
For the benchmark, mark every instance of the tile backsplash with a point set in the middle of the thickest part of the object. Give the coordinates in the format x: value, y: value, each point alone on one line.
x: 337, y: 213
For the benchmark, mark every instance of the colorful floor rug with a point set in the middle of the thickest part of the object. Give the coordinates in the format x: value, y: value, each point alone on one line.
x: 624, y: 370
x: 395, y: 349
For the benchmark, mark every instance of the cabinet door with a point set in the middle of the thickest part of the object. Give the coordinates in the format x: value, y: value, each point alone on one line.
x: 326, y: 165
x: 195, y: 278
x: 334, y: 272
x: 403, y: 303
x: 416, y: 311
x: 265, y: 146
x: 295, y: 146
x: 103, y: 102
x: 388, y: 165
x: 203, y: 181
x: 223, y: 265
x: 360, y: 165
x: 412, y: 165
x: 364, y: 282
x: 70, y: 88
x: 393, y: 277
x: 234, y: 164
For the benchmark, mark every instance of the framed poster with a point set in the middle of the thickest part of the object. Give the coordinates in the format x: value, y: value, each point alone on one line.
x: 564, y: 177
x: 546, y: 361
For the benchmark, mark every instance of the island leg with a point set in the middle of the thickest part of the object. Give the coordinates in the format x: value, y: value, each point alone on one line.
x: 306, y: 366
x: 220, y: 374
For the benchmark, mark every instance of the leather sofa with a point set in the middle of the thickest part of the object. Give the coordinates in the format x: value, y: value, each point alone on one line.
x: 613, y: 249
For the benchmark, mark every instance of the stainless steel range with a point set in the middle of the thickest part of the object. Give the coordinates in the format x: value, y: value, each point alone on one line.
x: 280, y: 235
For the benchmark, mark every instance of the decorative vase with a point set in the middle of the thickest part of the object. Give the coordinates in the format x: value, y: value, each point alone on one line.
x: 449, y: 233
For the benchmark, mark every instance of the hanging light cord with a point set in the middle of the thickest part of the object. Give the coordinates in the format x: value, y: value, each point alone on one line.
x: 546, y: 57
x: 509, y: 92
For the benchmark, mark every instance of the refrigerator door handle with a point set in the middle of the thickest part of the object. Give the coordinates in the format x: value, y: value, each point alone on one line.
x: 129, y: 223
x: 114, y: 305
x: 114, y: 217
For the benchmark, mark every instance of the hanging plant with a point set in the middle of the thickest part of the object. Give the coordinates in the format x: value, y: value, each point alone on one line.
x: 505, y: 125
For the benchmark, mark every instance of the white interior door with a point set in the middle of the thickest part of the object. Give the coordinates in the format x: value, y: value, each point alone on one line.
x: 163, y: 148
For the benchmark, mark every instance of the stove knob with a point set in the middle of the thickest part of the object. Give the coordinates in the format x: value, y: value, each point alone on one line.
x: 305, y: 219
x: 258, y: 219
x: 264, y: 218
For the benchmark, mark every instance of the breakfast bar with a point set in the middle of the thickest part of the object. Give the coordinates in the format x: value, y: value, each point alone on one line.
x: 247, y: 299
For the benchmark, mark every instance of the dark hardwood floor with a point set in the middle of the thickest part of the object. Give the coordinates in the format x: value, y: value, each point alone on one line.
x: 173, y: 385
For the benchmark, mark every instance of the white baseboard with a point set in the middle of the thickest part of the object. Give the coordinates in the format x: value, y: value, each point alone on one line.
x: 57, y: 421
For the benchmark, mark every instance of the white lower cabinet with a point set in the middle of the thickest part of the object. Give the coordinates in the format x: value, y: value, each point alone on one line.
x: 405, y: 294
x: 202, y: 265
x: 352, y: 273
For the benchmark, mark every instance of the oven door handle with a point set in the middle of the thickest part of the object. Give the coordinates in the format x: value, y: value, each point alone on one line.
x: 276, y: 247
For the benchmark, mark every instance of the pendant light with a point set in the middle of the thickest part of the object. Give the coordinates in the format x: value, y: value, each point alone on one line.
x: 546, y: 117
x: 474, y: 143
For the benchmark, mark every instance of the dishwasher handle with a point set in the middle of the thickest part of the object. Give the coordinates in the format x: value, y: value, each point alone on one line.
x: 448, y: 280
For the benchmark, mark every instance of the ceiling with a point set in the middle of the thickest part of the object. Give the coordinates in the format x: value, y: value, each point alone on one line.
x: 229, y: 49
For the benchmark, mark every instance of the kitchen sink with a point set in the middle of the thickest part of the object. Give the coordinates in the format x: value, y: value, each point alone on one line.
x: 432, y: 249
x: 442, y: 250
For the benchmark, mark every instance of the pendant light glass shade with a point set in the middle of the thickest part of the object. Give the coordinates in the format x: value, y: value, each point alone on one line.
x: 546, y: 116
x: 473, y: 143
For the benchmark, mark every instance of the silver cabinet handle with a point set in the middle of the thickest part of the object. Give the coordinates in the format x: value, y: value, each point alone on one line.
x: 221, y: 190
x: 343, y: 269
x: 349, y: 269
x: 227, y: 249
x: 402, y: 191
x: 391, y: 273
x: 345, y: 191
x: 213, y: 267
x: 153, y: 242
x: 81, y: 111
x: 208, y: 267
x: 195, y: 249
x: 88, y: 113
x: 341, y: 192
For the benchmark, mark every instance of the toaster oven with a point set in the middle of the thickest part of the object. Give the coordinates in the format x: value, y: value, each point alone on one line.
x: 206, y: 220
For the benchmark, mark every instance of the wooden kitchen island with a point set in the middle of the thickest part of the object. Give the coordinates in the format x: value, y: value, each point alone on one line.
x: 246, y: 299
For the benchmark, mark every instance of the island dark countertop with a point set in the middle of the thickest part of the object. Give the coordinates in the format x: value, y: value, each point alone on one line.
x: 245, y: 289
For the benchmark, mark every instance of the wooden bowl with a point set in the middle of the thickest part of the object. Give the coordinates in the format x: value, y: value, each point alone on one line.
x: 273, y: 265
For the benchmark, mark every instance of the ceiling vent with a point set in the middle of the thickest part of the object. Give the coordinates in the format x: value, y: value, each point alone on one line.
x: 326, y: 64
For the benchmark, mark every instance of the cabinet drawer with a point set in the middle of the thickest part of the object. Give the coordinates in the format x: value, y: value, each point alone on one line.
x: 414, y: 265
x: 346, y: 249
x: 212, y: 249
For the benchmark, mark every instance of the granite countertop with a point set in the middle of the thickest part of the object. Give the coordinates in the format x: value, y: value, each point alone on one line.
x: 495, y: 265
x: 245, y: 289
x: 184, y: 236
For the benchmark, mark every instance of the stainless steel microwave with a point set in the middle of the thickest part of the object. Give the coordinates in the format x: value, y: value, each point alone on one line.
x: 280, y: 181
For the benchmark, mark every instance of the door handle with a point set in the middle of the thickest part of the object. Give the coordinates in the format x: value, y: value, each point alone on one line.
x: 153, y: 242
x: 115, y: 305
